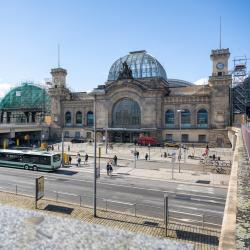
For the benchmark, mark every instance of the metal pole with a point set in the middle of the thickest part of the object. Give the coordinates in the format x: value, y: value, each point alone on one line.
x: 135, y: 155
x: 94, y: 201
x: 179, y: 157
x: 106, y: 140
x: 166, y: 214
x: 62, y: 149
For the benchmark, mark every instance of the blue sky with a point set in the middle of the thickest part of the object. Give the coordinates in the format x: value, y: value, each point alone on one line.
x: 93, y: 34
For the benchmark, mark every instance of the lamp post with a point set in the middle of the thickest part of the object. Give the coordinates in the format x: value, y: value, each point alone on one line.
x: 149, y: 151
x: 62, y: 149
x: 135, y: 155
x: 179, y: 156
x: 94, y: 93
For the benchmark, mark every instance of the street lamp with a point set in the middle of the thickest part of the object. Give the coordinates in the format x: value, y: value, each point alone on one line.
x: 149, y: 151
x: 179, y: 156
x: 62, y: 148
x: 94, y: 93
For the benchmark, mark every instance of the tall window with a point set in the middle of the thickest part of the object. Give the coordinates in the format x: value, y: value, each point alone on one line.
x: 185, y: 119
x: 169, y: 118
x: 78, y: 118
x: 202, y: 118
x: 67, y: 118
x: 90, y: 119
x: 126, y: 113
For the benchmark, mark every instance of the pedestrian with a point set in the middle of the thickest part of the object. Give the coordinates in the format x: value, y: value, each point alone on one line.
x: 68, y: 148
x: 52, y: 148
x: 58, y: 147
x: 115, y: 160
x: 146, y: 156
x: 70, y: 159
x: 137, y: 155
x: 108, y: 167
x: 165, y: 155
x: 79, y: 161
x: 86, y: 159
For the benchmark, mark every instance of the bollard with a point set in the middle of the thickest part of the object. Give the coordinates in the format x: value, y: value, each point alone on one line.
x: 80, y: 200
x: 135, y: 209
x: 166, y: 214
x: 56, y: 196
x: 202, y: 220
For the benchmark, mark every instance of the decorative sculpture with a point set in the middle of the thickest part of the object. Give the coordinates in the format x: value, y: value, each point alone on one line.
x: 126, y: 72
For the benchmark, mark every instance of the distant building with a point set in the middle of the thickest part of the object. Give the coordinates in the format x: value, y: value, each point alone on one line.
x: 138, y: 98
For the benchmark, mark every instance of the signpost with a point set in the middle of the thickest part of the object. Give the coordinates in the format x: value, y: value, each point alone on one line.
x: 39, y: 189
x: 98, y: 172
x: 166, y: 219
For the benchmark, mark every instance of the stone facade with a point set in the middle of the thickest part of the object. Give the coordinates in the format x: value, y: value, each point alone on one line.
x: 116, y: 99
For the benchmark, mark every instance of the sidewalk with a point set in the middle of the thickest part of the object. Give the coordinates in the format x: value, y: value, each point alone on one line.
x: 201, y: 238
x: 163, y: 174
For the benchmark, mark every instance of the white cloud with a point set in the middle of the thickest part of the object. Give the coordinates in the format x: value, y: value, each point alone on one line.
x: 5, y: 87
x: 201, y: 81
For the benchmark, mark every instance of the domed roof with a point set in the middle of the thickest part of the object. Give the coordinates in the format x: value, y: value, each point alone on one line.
x: 26, y: 96
x: 141, y: 64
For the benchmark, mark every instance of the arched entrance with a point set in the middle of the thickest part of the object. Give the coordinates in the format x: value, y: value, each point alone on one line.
x: 126, y: 120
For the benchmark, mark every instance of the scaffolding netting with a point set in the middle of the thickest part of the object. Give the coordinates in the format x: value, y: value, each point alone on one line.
x: 27, y: 96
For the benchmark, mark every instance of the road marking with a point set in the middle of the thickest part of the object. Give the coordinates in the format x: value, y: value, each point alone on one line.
x: 125, y: 186
x: 185, y: 187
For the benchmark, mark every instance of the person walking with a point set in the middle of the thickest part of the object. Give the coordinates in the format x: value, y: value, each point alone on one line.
x: 52, y: 148
x: 115, y: 160
x: 137, y: 154
x: 79, y: 161
x: 86, y: 159
x: 146, y: 156
x: 68, y: 148
x: 70, y: 159
x: 108, y: 167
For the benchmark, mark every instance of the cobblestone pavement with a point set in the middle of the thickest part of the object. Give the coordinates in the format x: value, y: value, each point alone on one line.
x: 201, y: 238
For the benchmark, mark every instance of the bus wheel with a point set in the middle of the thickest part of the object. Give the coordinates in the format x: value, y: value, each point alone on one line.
x: 35, y: 168
x: 26, y: 167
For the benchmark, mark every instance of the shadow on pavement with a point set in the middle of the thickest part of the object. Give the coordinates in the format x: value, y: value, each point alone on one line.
x: 197, y: 237
x: 65, y: 172
x: 59, y: 209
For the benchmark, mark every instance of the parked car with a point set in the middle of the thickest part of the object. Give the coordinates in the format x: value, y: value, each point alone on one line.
x: 76, y: 140
x: 148, y: 140
x: 172, y: 144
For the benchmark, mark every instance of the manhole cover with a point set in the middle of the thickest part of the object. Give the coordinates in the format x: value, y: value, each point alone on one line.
x: 151, y: 224
x: 203, y: 182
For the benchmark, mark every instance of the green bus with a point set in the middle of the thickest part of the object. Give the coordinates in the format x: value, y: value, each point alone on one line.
x: 30, y: 160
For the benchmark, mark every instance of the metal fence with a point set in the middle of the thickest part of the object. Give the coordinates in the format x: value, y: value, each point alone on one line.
x: 134, y: 209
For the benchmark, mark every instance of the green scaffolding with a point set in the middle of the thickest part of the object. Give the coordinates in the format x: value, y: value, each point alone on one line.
x: 27, y: 96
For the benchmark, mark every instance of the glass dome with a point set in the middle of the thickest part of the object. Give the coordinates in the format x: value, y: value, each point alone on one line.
x: 26, y: 96
x: 141, y: 64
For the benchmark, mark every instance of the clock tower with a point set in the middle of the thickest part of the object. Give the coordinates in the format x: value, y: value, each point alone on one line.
x: 220, y: 82
x: 58, y: 93
x: 220, y: 58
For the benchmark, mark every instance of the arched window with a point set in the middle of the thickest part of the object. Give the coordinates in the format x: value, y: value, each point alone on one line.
x: 67, y: 118
x: 169, y: 118
x: 90, y: 119
x: 126, y: 113
x: 185, y: 118
x: 202, y: 118
x: 78, y: 118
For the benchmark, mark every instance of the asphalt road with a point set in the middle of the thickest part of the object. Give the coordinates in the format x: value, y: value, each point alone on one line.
x: 187, y: 202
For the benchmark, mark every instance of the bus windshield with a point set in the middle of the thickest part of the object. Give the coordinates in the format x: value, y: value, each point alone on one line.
x: 56, y: 158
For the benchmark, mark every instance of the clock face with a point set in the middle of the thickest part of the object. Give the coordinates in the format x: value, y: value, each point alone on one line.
x: 220, y: 65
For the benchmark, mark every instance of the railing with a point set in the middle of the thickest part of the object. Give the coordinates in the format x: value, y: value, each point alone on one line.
x: 132, y: 209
